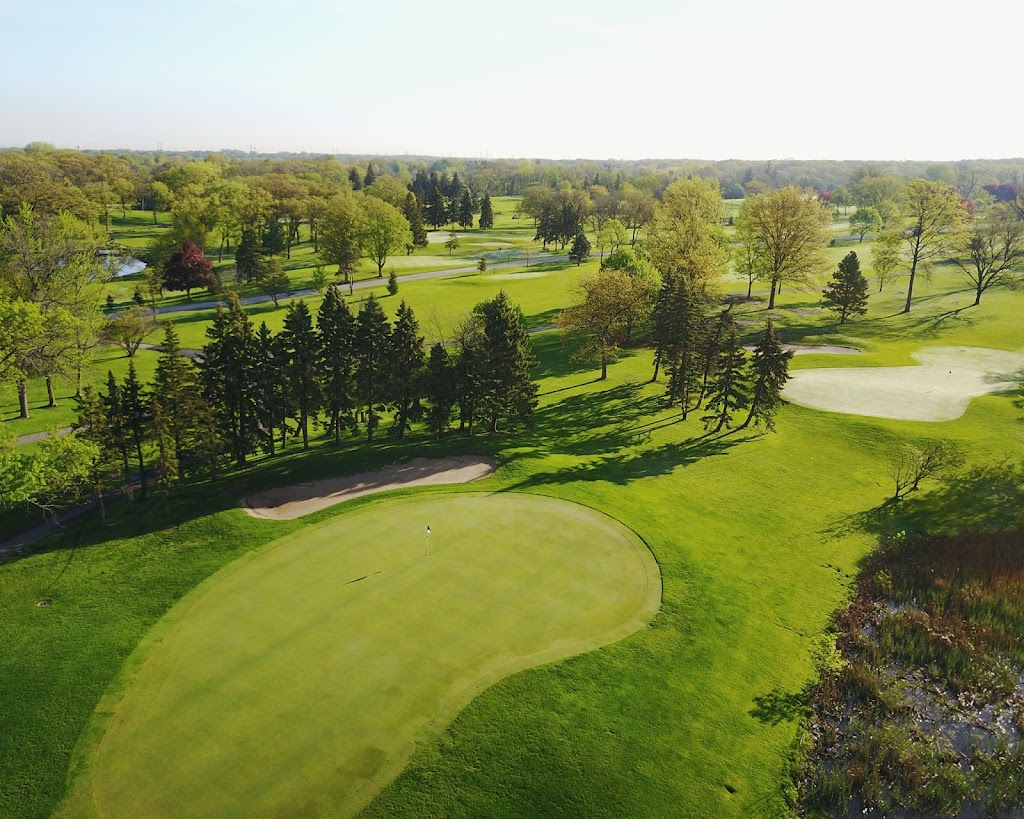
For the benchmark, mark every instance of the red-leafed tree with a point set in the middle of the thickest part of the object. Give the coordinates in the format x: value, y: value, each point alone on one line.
x: 188, y: 268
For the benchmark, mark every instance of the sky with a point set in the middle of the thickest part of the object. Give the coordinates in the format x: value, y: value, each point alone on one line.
x: 750, y: 79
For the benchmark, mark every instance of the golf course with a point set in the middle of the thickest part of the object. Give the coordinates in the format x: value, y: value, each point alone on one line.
x: 507, y: 567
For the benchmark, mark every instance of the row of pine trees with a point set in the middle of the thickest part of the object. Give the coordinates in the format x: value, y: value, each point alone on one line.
x: 340, y: 374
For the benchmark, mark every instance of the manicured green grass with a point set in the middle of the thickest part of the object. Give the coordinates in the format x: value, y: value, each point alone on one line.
x: 326, y: 655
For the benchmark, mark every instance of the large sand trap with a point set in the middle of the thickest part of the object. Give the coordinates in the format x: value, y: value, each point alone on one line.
x: 807, y: 349
x: 289, y: 502
x: 938, y: 390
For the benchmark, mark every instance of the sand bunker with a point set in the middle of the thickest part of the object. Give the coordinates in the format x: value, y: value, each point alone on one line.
x: 938, y: 390
x: 806, y: 349
x: 289, y: 502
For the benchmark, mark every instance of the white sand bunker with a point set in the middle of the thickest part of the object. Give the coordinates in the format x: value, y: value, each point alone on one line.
x: 807, y: 349
x: 289, y: 502
x: 938, y: 390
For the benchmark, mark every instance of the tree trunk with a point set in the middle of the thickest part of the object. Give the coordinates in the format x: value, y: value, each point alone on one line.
x: 977, y: 295
x: 657, y: 364
x: 771, y: 298
x: 50, y: 395
x: 23, y: 398
x: 604, y: 367
x: 142, y: 469
x: 910, y: 286
x: 220, y: 251
x: 78, y: 383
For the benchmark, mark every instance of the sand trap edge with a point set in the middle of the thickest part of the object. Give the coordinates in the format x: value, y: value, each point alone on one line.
x: 298, y: 500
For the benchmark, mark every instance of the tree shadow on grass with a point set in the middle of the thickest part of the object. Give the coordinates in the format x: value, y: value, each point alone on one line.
x: 982, y: 498
x: 779, y: 706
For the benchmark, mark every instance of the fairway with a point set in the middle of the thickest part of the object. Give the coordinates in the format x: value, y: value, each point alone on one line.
x: 298, y: 681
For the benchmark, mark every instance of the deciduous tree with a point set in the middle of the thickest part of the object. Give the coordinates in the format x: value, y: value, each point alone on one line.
x: 990, y: 251
x: 933, y: 213
x: 188, y: 268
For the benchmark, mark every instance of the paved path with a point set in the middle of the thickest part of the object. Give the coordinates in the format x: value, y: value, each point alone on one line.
x: 35, y: 437
x: 362, y: 284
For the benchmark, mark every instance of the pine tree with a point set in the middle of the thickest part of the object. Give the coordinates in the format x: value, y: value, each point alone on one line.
x: 580, y: 249
x: 370, y: 177
x: 228, y: 378
x: 770, y: 370
x: 847, y: 293
x: 466, y: 209
x: 677, y: 331
x: 405, y: 366
x: 301, y: 350
x: 730, y: 390
x: 269, y: 388
x: 114, y: 430
x: 373, y: 341
x: 355, y: 179
x: 435, y: 211
x: 486, y: 213
x: 273, y: 237
x: 92, y: 425
x: 136, y: 415
x: 439, y: 390
x: 168, y: 465
x: 392, y: 286
x: 414, y: 213
x: 336, y: 330
x: 187, y: 415
x: 248, y: 261
x: 470, y: 373
x: 711, y: 345
x: 508, y: 392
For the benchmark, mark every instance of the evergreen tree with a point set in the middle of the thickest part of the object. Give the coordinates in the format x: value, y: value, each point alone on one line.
x: 93, y: 426
x: 229, y: 380
x: 435, y: 210
x: 370, y: 177
x: 770, y: 370
x: 115, y: 432
x: 730, y: 389
x: 373, y: 342
x: 439, y: 390
x: 168, y: 466
x: 677, y: 330
x: 392, y: 284
x: 187, y: 417
x: 336, y: 328
x: 405, y: 365
x: 466, y: 209
x: 847, y: 293
x: 711, y: 345
x: 414, y: 213
x: 301, y: 351
x: 355, y: 179
x: 580, y: 249
x: 508, y: 392
x: 486, y: 213
x: 270, y: 398
x: 136, y: 415
x: 248, y: 261
x: 274, y: 240
x: 470, y: 369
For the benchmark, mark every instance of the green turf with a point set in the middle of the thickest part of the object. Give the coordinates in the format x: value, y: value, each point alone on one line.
x: 295, y: 682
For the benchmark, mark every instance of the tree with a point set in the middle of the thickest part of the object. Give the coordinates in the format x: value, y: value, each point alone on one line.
x: 384, y: 231
x: 598, y: 317
x: 229, y: 378
x: 933, y: 211
x: 790, y: 231
x: 685, y: 236
x: 414, y: 215
x: 507, y: 391
x: 770, y: 371
x: 580, y: 249
x: 248, y: 259
x: 466, y: 209
x: 882, y: 192
x: 319, y: 279
x: 678, y: 320
x: 273, y: 280
x: 865, y: 220
x: 336, y: 328
x: 136, y: 418
x: 341, y: 230
x: 128, y: 329
x: 270, y: 399
x: 91, y: 426
x: 611, y: 235
x: 392, y: 284
x: 486, y: 213
x: 440, y: 389
x: 370, y: 177
x: 115, y: 432
x: 301, y: 360
x: 373, y: 342
x: 847, y: 293
x: 452, y: 243
x: 729, y: 391
x: 991, y: 250
x: 470, y: 371
x: 886, y: 256
x: 405, y: 364
x: 188, y: 268
x: 636, y: 209
x: 910, y: 464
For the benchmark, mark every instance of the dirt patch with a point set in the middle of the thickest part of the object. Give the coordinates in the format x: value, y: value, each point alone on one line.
x: 290, y: 502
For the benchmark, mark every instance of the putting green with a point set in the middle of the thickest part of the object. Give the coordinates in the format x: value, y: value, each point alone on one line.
x: 297, y: 681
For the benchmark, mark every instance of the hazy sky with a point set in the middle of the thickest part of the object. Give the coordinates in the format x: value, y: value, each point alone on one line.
x: 872, y: 79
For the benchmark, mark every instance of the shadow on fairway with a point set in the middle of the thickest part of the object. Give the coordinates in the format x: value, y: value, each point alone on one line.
x: 982, y: 498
